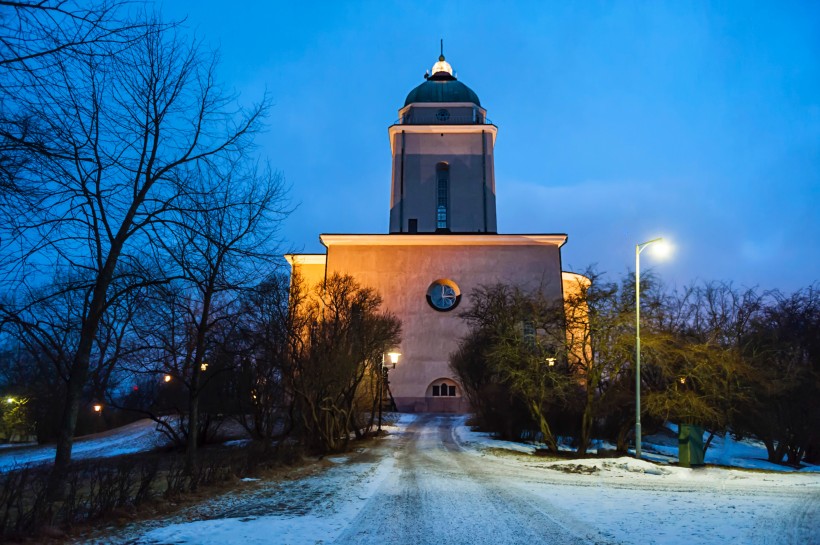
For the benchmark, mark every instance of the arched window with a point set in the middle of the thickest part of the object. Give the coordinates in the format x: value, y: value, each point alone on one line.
x: 442, y: 195
x: 443, y: 389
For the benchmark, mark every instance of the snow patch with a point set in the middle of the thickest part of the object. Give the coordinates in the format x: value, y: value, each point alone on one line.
x: 337, y: 459
x: 139, y: 436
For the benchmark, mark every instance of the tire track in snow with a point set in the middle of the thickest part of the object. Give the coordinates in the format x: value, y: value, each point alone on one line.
x: 440, y: 494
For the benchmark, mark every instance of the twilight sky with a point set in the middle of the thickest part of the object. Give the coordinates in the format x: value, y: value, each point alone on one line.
x: 618, y: 122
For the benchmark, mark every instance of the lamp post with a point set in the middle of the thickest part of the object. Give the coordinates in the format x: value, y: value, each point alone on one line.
x: 638, y: 249
x: 393, y: 355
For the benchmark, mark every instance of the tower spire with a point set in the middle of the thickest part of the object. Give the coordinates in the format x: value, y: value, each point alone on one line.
x: 442, y: 65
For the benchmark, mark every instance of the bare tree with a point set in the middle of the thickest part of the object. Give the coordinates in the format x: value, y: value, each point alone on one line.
x: 132, y: 129
x: 45, y: 332
x: 271, y: 328
x: 44, y: 30
x: 222, y: 244
x: 783, y: 352
x: 46, y: 327
x: 345, y: 335
x: 35, y: 37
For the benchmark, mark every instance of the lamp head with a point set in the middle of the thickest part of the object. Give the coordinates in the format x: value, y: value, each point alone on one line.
x: 394, y: 357
x: 661, y: 249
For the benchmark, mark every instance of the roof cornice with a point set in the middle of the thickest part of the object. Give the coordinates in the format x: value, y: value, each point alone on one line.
x: 557, y: 240
x: 306, y: 259
x: 442, y: 129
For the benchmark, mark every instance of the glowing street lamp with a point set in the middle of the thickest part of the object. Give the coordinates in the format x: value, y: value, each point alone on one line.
x: 167, y: 378
x: 394, y: 358
x: 661, y: 250
x: 10, y: 400
x: 393, y: 355
x: 97, y: 408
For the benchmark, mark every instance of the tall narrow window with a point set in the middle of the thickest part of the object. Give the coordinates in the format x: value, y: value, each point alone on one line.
x: 529, y: 333
x: 443, y: 194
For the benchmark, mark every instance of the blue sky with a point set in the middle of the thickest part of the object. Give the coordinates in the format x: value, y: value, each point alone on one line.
x: 618, y: 122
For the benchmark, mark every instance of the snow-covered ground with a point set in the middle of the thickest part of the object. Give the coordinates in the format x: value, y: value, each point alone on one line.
x: 139, y: 436
x: 143, y: 435
x: 635, y: 501
x: 433, y: 480
x: 663, y: 449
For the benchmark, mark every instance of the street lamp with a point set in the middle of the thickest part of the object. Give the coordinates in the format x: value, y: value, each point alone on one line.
x: 393, y: 355
x: 638, y: 249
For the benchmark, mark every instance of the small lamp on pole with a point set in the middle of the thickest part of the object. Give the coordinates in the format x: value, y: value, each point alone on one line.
x: 393, y: 355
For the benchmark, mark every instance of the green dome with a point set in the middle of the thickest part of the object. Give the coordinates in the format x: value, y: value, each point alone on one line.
x: 442, y: 87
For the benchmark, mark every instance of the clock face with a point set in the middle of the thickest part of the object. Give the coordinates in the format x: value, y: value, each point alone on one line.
x: 442, y: 115
x: 443, y: 295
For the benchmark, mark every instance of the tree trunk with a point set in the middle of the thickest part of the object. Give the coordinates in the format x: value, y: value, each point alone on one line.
x: 78, y: 373
x: 708, y: 442
x: 622, y: 440
x: 775, y: 450
x: 793, y: 455
x: 587, y: 420
x: 544, y: 426
x: 193, y: 434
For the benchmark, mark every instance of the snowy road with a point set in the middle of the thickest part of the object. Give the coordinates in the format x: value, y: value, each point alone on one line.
x: 439, y: 493
x: 432, y: 481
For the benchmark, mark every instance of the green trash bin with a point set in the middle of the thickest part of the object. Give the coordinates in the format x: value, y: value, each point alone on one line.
x: 690, y: 445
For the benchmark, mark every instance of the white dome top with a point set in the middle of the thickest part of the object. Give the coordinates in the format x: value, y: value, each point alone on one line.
x: 442, y: 66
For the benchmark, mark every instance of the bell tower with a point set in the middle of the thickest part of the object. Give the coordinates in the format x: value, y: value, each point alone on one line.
x: 443, y: 178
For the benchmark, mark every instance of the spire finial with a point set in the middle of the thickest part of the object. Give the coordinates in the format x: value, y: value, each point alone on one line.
x: 441, y: 66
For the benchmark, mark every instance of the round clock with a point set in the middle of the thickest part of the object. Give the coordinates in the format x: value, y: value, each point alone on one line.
x: 442, y: 115
x: 443, y: 295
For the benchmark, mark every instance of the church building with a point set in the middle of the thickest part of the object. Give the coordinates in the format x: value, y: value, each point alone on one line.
x: 443, y: 240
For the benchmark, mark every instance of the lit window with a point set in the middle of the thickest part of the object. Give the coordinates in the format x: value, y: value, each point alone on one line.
x: 443, y: 194
x: 529, y: 333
